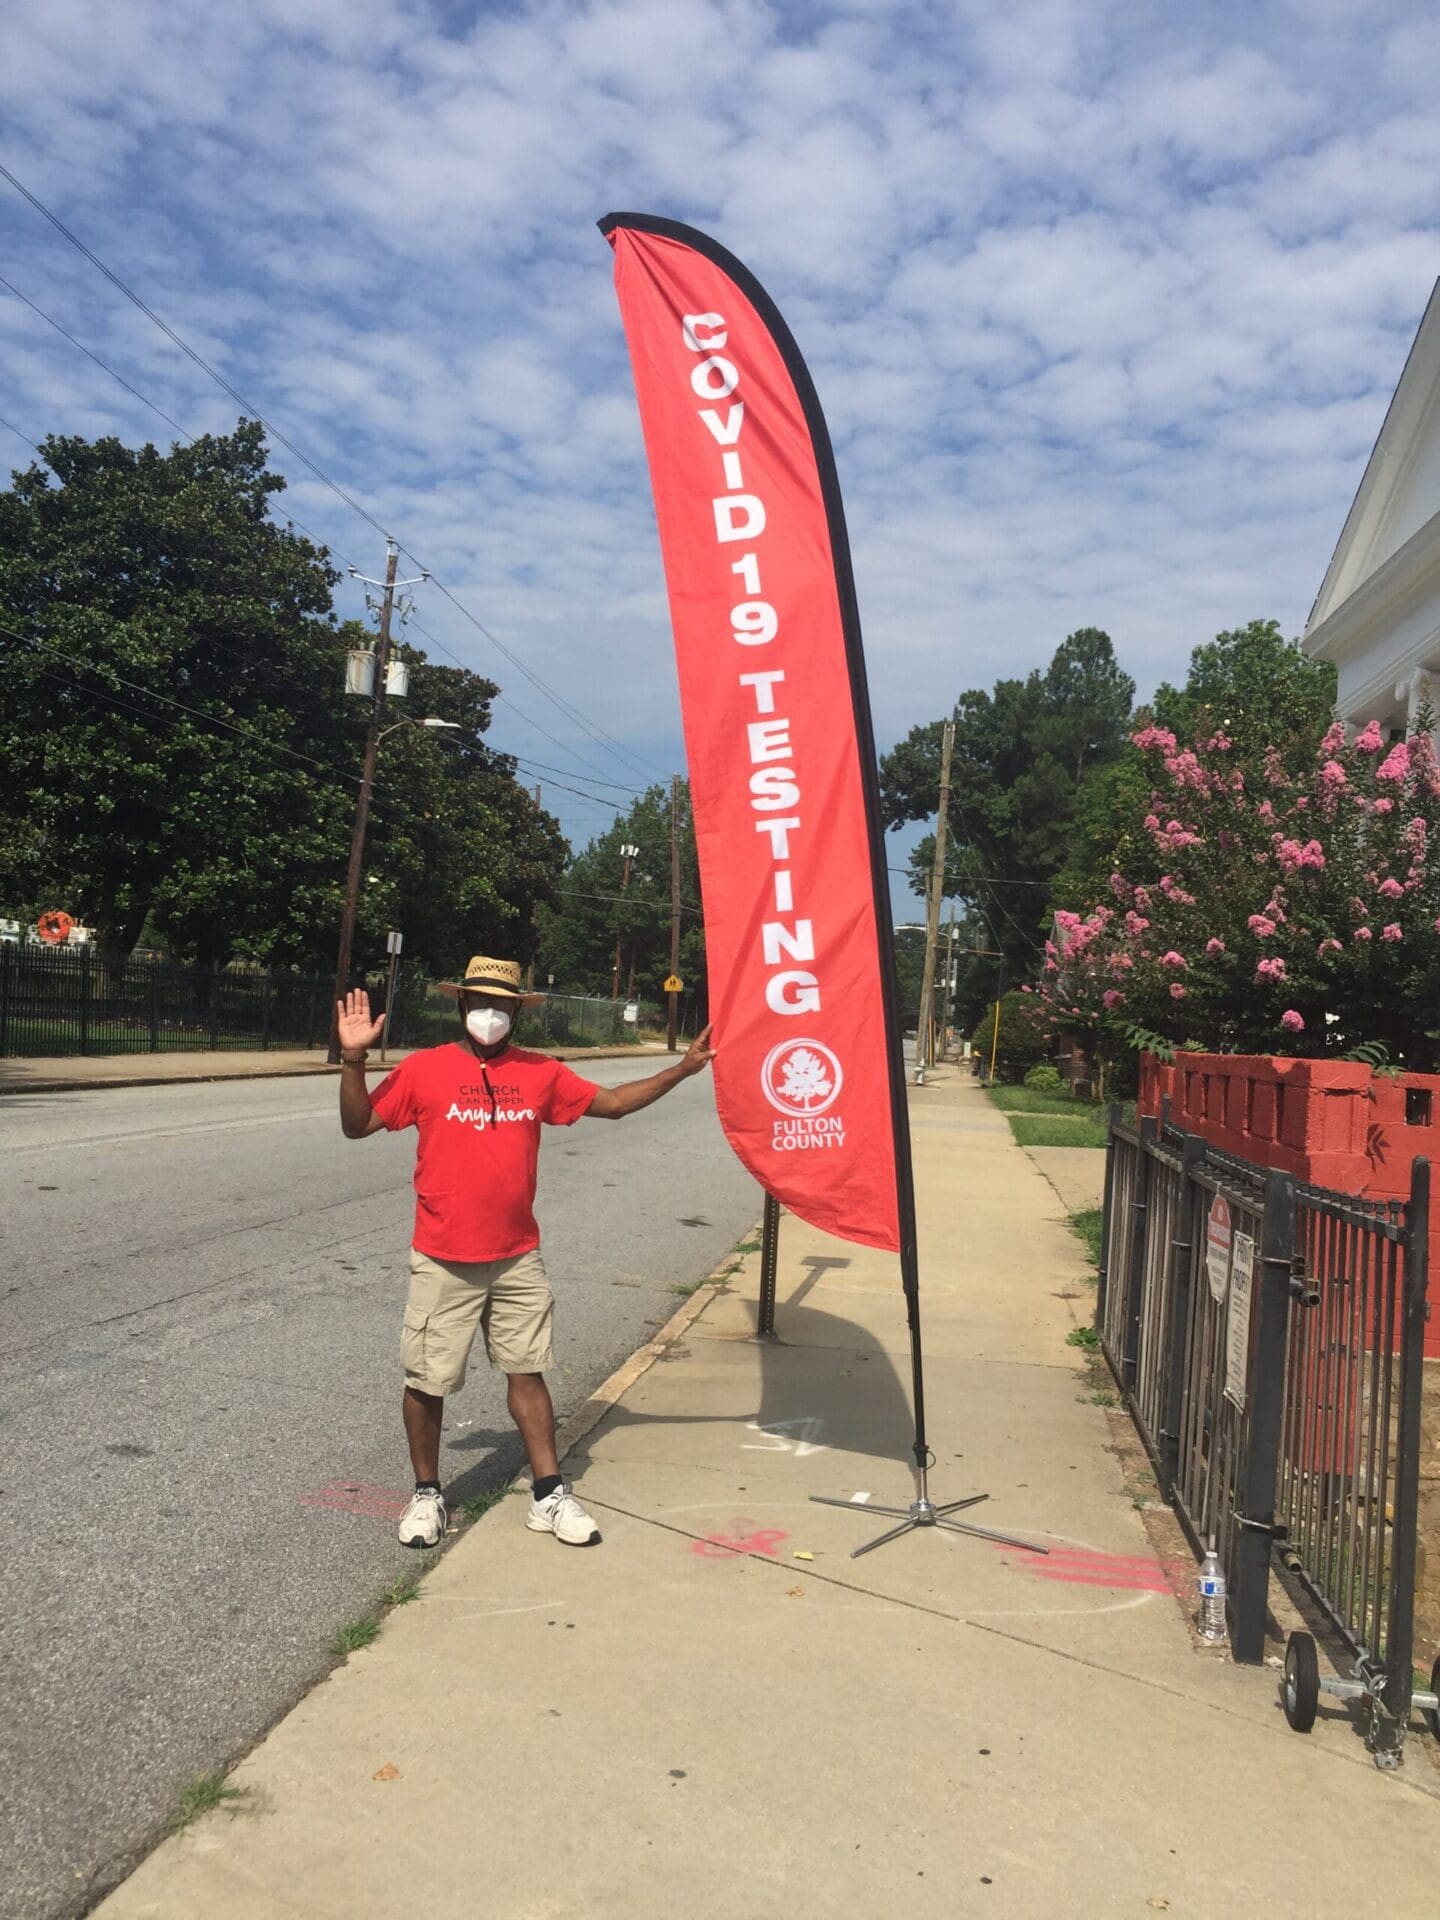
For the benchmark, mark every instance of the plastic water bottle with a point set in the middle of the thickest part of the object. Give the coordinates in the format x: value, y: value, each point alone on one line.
x: 1212, y: 1597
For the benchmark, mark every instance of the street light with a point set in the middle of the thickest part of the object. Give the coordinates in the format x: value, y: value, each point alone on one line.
x: 450, y: 726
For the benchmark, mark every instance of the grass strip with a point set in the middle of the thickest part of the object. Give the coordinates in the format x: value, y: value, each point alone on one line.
x: 1058, y: 1130
x: 1085, y: 1223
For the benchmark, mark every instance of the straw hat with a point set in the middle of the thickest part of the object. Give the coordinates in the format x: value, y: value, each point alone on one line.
x: 485, y: 975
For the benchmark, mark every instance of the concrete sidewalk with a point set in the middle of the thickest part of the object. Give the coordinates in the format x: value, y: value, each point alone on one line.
x: 719, y: 1713
x: 76, y: 1073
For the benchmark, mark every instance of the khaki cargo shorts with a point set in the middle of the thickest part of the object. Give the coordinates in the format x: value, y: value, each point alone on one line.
x: 451, y: 1300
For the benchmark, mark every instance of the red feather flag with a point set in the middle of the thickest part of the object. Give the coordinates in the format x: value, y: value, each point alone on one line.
x: 809, y: 1078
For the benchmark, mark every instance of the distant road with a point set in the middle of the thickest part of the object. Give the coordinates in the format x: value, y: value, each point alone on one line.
x: 200, y: 1298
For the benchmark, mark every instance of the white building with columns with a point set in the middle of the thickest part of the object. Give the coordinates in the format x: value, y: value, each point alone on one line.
x: 1377, y: 614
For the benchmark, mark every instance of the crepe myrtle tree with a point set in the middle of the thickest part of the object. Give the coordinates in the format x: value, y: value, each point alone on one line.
x: 1281, y: 905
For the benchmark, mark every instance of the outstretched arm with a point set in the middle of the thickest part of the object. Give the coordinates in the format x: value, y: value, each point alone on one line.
x: 613, y: 1103
x: 357, y: 1031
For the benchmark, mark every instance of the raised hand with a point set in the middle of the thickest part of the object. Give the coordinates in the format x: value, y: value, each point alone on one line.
x: 698, y: 1054
x: 356, y: 1028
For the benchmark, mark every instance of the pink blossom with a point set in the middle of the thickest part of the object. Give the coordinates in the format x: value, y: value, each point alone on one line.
x: 1218, y: 743
x: 1270, y: 970
x: 1361, y: 933
x: 1135, y: 924
x: 1329, y: 946
x: 1185, y: 770
x: 1291, y: 1021
x: 1384, y: 806
x: 1391, y: 889
x: 1266, y: 810
x: 1335, y: 737
x: 1142, y: 899
x: 1214, y: 946
x: 1177, y: 992
x: 1112, y: 998
x: 1370, y: 741
x: 1333, y: 774
x: 1173, y: 959
x: 1292, y: 855
x: 1274, y: 767
x: 1392, y: 931
x: 1396, y: 764
x: 1260, y: 926
x: 1150, y: 739
x: 1152, y: 823
x: 1119, y: 886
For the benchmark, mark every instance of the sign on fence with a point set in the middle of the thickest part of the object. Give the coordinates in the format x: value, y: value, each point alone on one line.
x: 1237, y: 1332
x: 1217, y: 1245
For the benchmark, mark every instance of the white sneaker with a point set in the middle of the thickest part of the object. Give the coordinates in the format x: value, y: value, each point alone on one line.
x: 423, y: 1522
x: 561, y: 1513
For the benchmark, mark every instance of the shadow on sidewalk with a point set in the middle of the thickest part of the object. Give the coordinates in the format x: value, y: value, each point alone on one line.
x: 824, y: 1385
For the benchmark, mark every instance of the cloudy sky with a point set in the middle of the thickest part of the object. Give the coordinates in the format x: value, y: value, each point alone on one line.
x: 1104, y: 299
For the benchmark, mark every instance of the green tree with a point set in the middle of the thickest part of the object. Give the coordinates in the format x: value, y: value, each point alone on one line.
x: 598, y: 913
x: 1257, y: 688
x: 1021, y: 755
x: 178, y: 745
x: 1249, y: 685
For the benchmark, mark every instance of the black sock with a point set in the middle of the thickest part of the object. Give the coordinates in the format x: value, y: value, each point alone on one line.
x: 546, y: 1485
x: 427, y: 1486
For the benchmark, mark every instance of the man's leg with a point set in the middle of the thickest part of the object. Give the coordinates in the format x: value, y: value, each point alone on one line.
x: 533, y: 1413
x: 423, y: 1413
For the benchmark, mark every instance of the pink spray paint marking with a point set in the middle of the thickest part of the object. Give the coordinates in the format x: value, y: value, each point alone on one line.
x: 354, y: 1496
x: 1080, y: 1567
x: 724, y: 1546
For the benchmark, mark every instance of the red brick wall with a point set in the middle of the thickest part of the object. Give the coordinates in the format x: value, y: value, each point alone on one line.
x: 1330, y: 1122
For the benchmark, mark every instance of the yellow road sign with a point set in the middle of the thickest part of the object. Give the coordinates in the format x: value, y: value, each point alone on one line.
x: 674, y: 984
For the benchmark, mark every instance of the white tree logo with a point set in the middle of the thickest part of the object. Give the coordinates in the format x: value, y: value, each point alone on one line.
x: 802, y: 1077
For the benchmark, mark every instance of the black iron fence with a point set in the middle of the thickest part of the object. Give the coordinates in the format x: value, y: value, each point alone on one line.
x: 70, y: 1000
x: 1268, y: 1339
x: 73, y: 1000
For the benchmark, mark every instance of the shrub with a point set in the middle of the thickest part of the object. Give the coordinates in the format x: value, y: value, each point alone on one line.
x: 1044, y: 1079
x: 1022, y: 1042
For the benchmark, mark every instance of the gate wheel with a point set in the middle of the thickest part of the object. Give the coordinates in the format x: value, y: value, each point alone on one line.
x: 1431, y: 1715
x: 1300, y: 1693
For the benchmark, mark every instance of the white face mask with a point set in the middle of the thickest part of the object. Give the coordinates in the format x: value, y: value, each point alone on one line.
x: 487, y: 1026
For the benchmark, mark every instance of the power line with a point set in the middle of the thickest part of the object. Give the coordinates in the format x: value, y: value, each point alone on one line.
x: 81, y: 347
x: 435, y: 641
x: 166, y: 700
x: 189, y: 351
x: 21, y: 436
x: 145, y: 401
x: 572, y: 713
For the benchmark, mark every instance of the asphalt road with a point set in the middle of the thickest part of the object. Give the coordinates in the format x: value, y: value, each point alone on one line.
x: 200, y: 1447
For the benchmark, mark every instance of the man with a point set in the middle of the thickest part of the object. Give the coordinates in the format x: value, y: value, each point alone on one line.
x: 478, y: 1104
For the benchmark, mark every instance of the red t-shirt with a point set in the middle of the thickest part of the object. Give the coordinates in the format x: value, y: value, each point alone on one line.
x: 479, y: 1123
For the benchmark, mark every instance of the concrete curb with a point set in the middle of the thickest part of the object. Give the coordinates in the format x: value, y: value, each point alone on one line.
x: 587, y: 1417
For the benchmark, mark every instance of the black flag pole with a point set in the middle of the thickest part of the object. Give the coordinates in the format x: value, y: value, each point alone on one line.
x: 922, y: 1511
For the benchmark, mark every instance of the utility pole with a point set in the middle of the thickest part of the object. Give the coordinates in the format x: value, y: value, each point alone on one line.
x: 629, y: 853
x: 923, y: 1053
x: 948, y: 990
x: 530, y: 970
x: 362, y: 807
x: 672, y: 1018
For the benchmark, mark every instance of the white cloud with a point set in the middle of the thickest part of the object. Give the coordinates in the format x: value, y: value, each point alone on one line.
x: 1104, y: 301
